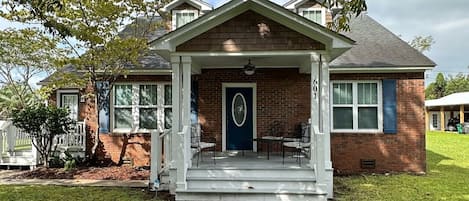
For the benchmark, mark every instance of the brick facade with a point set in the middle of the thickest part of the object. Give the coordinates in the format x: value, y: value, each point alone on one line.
x: 250, y: 31
x: 404, y: 151
x: 283, y: 96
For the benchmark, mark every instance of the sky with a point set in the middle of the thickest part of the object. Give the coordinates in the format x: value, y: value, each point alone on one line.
x: 446, y: 21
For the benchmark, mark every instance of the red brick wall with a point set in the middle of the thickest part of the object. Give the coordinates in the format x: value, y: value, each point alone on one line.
x: 404, y: 151
x: 282, y: 95
x: 250, y: 31
x: 137, y: 146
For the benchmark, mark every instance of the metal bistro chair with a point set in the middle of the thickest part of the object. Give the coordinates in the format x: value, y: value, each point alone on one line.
x: 301, y: 144
x: 198, y: 144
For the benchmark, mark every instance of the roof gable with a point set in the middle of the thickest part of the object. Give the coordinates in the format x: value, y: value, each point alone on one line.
x: 334, y: 42
x: 250, y: 31
x: 200, y: 5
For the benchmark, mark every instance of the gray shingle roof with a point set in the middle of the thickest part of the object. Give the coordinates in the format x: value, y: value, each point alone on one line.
x: 376, y: 46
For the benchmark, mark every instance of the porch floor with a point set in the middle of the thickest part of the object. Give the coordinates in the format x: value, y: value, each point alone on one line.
x: 250, y: 160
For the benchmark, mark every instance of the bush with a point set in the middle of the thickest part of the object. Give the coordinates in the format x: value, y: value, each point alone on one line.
x: 43, y: 124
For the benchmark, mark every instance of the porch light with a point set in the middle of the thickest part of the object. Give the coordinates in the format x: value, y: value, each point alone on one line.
x: 249, y: 69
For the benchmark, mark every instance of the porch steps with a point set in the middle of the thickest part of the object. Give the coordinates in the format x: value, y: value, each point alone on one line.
x: 250, y: 184
x: 17, y: 158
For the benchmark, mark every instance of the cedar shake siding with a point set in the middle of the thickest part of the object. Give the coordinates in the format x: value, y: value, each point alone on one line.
x: 250, y: 31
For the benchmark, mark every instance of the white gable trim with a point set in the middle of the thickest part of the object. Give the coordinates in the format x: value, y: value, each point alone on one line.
x: 293, y: 5
x: 202, y: 6
x: 334, y: 42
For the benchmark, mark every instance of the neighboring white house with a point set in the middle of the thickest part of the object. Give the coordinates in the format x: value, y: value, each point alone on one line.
x: 438, y: 112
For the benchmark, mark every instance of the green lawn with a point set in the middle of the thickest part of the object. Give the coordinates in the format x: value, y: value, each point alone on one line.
x: 447, y: 176
x: 34, y: 193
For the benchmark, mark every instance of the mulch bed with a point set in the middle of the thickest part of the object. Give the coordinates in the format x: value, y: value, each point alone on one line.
x: 124, y: 172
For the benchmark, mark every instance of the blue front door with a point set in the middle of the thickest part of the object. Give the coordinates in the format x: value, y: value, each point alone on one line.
x: 239, y: 120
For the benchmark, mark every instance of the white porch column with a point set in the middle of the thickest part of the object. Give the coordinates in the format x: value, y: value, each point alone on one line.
x: 326, y: 123
x: 315, y: 110
x: 177, y: 177
x: 186, y: 106
x: 320, y: 149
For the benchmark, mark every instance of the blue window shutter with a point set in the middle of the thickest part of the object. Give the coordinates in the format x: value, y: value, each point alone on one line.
x: 389, y: 107
x: 103, y: 105
x: 194, y: 102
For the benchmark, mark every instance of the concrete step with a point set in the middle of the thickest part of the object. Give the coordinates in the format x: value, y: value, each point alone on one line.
x: 17, y: 160
x: 249, y: 194
x: 280, y: 173
x: 250, y: 184
x: 304, y: 184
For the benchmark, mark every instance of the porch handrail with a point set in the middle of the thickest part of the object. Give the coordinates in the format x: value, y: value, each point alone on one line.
x: 76, y: 138
x: 158, y: 165
x: 317, y: 157
x: 12, y: 137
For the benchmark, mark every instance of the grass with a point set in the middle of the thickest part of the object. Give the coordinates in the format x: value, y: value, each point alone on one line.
x: 34, y: 193
x: 447, y: 176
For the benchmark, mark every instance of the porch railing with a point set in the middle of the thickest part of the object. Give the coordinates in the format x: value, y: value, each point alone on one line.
x: 160, y: 154
x: 75, y: 139
x: 13, y: 139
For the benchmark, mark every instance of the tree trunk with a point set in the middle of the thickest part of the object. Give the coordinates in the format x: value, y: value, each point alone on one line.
x: 96, y: 132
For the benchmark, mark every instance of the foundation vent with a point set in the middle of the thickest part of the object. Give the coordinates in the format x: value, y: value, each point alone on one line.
x: 367, y: 163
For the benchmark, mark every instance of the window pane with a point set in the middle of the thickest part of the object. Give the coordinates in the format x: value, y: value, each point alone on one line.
x: 313, y: 15
x: 123, y: 95
x: 367, y: 93
x: 147, y: 95
x: 342, y: 93
x: 184, y: 18
x: 148, y: 119
x: 123, y: 118
x: 168, y: 94
x: 367, y: 118
x: 343, y: 118
x: 168, y: 118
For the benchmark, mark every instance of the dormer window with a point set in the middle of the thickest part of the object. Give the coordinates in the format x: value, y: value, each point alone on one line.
x: 182, y: 17
x: 317, y: 15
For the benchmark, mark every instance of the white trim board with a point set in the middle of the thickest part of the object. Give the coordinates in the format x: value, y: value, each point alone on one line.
x: 254, y: 111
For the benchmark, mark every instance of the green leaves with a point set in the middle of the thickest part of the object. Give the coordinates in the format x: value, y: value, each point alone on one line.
x: 348, y: 9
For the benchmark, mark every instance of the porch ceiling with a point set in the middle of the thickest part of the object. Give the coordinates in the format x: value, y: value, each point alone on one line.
x: 268, y: 61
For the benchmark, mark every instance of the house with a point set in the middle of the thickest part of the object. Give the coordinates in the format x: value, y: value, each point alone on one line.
x: 247, y: 67
x: 444, y: 113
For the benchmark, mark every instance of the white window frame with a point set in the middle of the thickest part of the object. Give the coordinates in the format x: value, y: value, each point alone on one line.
x: 160, y: 106
x: 175, y: 12
x: 355, y: 106
x: 68, y: 92
x: 323, y: 13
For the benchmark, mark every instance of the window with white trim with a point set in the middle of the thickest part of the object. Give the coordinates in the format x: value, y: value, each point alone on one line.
x: 141, y: 107
x: 317, y: 15
x: 182, y: 17
x: 356, y: 106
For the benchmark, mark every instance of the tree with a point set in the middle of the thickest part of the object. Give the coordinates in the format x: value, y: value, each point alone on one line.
x: 344, y: 10
x: 456, y: 84
x: 91, y: 31
x: 43, y: 124
x: 422, y: 43
x: 25, y: 54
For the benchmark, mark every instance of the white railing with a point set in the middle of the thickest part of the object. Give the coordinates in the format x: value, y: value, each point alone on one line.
x: 160, y: 142
x: 13, y: 138
x: 75, y: 139
x: 317, y: 154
